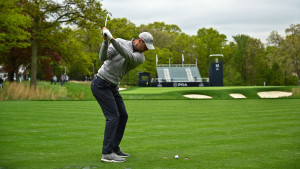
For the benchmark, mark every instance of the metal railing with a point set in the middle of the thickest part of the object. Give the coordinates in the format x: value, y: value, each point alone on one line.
x: 180, y: 80
x: 176, y: 65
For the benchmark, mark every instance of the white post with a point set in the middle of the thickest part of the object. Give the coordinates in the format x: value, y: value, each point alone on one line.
x: 182, y: 59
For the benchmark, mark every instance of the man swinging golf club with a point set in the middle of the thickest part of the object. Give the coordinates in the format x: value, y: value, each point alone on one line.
x: 119, y: 57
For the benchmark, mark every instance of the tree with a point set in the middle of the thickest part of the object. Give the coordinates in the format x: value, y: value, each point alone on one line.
x: 245, y: 61
x: 50, y: 53
x: 274, y: 75
x: 14, y: 36
x: 163, y: 34
x: 293, y: 47
x: 255, y: 62
x: 91, y: 40
x: 15, y: 58
x: 239, y: 58
x: 186, y: 45
x: 232, y: 77
x: 13, y: 26
x: 210, y: 42
x: 122, y: 28
x: 74, y: 57
x: 47, y: 14
x: 285, y: 51
x: 274, y: 39
x: 249, y: 59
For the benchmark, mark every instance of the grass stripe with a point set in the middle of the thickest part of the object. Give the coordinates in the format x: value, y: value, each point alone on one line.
x: 212, y: 133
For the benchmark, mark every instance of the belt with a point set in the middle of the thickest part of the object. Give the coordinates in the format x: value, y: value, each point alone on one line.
x: 108, y: 82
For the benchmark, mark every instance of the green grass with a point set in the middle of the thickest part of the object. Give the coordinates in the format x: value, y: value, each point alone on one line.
x: 82, y: 91
x: 245, y: 134
x: 176, y: 93
x: 79, y: 91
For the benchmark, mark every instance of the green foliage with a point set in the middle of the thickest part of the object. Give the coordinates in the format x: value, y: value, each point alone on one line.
x: 255, y: 63
x: 122, y: 28
x: 246, y: 61
x: 14, y: 36
x: 275, y: 76
x: 293, y: 80
x: 47, y: 15
x: 90, y: 40
x: 163, y: 34
x: 241, y: 41
x: 285, y: 51
x: 213, y: 39
x: 13, y: 26
x: 184, y: 44
x: 77, y: 61
x: 210, y: 42
x: 249, y: 60
x: 231, y: 76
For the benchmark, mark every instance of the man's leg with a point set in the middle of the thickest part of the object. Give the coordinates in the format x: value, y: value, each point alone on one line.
x: 106, y: 100
x: 122, y: 121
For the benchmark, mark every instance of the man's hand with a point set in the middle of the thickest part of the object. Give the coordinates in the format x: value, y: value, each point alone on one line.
x: 106, y: 34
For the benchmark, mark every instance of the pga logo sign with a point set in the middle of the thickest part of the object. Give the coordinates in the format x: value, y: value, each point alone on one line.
x: 180, y: 85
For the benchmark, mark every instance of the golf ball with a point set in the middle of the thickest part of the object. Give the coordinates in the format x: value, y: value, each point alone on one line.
x: 176, y: 156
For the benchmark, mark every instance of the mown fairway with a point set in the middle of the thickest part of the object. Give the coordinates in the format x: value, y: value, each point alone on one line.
x: 252, y: 133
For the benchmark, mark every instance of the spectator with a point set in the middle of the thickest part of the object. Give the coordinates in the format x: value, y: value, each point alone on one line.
x: 62, y: 79
x: 67, y: 78
x: 1, y: 82
x: 54, y: 79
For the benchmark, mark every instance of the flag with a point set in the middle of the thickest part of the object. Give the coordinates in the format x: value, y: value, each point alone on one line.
x: 182, y: 58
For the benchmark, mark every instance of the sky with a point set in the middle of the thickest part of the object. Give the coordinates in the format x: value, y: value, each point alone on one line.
x: 256, y: 18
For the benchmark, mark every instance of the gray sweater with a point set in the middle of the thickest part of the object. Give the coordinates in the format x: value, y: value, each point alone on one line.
x: 119, y: 59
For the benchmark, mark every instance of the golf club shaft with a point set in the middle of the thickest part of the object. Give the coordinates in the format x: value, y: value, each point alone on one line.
x: 106, y: 21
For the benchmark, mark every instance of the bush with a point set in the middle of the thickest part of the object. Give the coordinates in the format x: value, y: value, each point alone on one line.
x: 23, y: 91
x: 292, y: 81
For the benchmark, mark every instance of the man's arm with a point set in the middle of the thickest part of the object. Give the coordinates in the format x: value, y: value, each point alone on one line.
x: 134, y: 59
x: 106, y: 52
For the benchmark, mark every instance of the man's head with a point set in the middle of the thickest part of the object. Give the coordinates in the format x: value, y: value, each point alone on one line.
x: 144, y: 42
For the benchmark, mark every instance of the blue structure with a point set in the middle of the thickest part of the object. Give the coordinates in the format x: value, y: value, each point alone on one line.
x: 216, y: 70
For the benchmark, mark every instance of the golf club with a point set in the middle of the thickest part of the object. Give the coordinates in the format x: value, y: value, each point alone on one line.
x: 107, y: 17
x: 106, y: 20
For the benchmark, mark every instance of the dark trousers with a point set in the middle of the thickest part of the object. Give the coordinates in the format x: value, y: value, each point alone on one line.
x: 114, y: 110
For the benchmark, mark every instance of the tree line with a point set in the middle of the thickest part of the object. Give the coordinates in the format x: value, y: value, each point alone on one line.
x: 50, y: 38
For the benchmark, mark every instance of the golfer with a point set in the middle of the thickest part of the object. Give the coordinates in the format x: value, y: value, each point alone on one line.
x: 119, y: 57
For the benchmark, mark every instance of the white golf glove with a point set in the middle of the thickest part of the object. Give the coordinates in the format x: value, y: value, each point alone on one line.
x: 107, y: 33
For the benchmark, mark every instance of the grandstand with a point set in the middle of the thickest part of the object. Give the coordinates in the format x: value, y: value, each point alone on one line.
x: 178, y: 75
